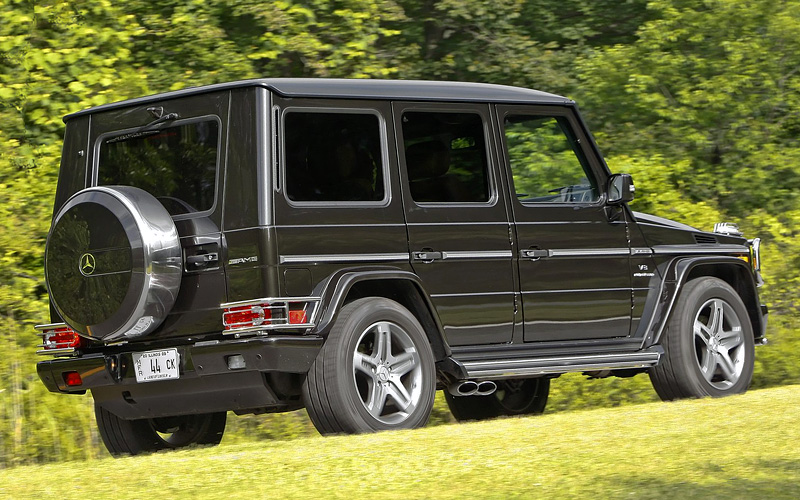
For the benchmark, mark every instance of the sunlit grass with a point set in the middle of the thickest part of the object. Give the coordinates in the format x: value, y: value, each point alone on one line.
x: 738, y: 447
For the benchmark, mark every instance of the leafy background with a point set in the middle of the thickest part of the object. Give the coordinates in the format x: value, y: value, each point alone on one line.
x: 699, y: 100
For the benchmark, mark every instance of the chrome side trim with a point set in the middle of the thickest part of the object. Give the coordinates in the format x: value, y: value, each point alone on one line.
x: 489, y: 254
x: 343, y: 257
x: 582, y: 290
x: 508, y: 368
x: 698, y: 249
x: 588, y: 252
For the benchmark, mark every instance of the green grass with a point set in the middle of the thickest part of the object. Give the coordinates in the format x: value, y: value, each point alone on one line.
x: 738, y: 447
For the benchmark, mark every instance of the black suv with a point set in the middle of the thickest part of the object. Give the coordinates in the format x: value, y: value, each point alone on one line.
x: 352, y: 246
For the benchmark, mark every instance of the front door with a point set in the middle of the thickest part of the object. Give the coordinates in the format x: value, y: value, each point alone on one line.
x: 573, y: 250
x: 458, y: 229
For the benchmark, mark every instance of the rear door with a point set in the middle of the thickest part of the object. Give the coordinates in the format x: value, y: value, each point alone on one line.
x: 458, y: 229
x: 573, y: 250
x: 335, y: 204
x: 174, y: 150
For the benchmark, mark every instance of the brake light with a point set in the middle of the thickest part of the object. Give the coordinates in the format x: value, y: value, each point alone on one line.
x: 62, y: 337
x: 246, y: 316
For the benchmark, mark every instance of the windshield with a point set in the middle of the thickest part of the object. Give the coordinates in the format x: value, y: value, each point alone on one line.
x: 177, y: 164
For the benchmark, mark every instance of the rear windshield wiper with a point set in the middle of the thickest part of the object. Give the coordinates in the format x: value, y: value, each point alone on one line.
x: 160, y: 118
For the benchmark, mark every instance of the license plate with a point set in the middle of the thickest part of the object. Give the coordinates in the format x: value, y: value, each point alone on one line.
x: 156, y: 365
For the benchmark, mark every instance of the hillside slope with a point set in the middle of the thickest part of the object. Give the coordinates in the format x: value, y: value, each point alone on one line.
x: 739, y: 447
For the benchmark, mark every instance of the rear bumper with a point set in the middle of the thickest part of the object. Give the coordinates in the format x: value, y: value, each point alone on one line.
x: 206, y: 382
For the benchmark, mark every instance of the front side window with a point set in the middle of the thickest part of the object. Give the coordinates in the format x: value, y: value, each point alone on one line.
x: 446, y: 156
x: 333, y: 157
x: 176, y: 164
x: 546, y: 161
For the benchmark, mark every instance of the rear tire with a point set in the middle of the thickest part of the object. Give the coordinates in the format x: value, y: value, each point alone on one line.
x: 374, y: 372
x: 512, y: 397
x: 708, y: 344
x: 134, y: 437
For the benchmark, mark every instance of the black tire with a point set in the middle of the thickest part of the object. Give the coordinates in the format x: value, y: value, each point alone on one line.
x: 134, y: 437
x: 715, y: 359
x: 356, y: 386
x: 512, y: 397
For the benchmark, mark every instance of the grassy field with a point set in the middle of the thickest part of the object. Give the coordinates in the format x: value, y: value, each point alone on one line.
x: 741, y: 447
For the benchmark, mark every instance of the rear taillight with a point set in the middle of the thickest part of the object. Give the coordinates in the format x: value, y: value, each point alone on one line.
x: 260, y: 315
x: 246, y: 316
x: 298, y: 317
x: 58, y: 338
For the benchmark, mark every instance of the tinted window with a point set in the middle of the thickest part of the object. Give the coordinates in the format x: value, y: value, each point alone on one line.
x: 546, y: 162
x: 333, y: 157
x: 177, y: 165
x: 445, y: 157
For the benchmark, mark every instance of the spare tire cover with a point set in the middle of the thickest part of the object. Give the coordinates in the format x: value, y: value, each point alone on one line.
x: 113, y: 263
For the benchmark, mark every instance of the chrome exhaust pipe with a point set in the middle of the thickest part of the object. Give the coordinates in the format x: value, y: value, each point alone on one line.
x: 472, y: 388
x: 463, y: 388
x: 486, y: 388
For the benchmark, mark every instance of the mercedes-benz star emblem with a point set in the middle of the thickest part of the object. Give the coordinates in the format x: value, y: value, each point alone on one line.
x: 87, y: 264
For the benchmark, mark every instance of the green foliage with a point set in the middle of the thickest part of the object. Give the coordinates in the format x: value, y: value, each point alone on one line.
x: 697, y: 99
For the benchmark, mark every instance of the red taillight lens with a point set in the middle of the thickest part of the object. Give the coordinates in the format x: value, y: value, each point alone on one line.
x: 73, y: 378
x: 246, y: 316
x: 61, y: 338
x: 298, y: 317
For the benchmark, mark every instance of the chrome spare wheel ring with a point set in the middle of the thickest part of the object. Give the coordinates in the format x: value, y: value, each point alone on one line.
x: 719, y: 344
x: 387, y: 372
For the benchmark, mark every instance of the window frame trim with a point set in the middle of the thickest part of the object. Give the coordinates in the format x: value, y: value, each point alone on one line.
x: 486, y: 121
x: 280, y: 142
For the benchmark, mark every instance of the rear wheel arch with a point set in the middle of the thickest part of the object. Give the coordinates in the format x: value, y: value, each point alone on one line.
x: 400, y: 286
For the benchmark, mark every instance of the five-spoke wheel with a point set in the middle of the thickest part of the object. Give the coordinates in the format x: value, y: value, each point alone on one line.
x: 387, y: 372
x: 708, y: 344
x: 375, y: 371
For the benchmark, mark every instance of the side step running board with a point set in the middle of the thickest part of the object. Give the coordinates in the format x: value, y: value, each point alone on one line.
x: 526, y: 367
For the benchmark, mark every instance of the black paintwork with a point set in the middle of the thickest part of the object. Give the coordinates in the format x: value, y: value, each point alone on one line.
x: 602, y: 279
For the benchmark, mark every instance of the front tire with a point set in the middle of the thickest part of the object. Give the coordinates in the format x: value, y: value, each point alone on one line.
x: 708, y: 344
x: 375, y: 371
x: 134, y: 437
x: 512, y: 397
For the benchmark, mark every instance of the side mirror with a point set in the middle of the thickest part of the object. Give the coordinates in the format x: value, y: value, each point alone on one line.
x: 620, y: 189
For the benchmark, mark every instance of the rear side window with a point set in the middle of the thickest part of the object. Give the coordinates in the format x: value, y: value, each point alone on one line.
x: 446, y: 156
x: 176, y: 164
x: 333, y: 157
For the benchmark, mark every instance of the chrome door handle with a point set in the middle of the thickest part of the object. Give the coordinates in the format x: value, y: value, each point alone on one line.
x: 534, y: 253
x: 427, y: 256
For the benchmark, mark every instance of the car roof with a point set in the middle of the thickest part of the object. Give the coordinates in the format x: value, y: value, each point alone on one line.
x: 406, y: 90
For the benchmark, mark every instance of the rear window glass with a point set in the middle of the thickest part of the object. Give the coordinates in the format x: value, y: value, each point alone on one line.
x: 177, y: 164
x: 333, y: 157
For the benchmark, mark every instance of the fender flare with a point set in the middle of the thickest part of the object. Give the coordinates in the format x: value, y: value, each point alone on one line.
x: 675, y: 274
x: 334, y: 290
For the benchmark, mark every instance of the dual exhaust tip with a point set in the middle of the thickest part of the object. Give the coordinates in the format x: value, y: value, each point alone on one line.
x: 472, y: 388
